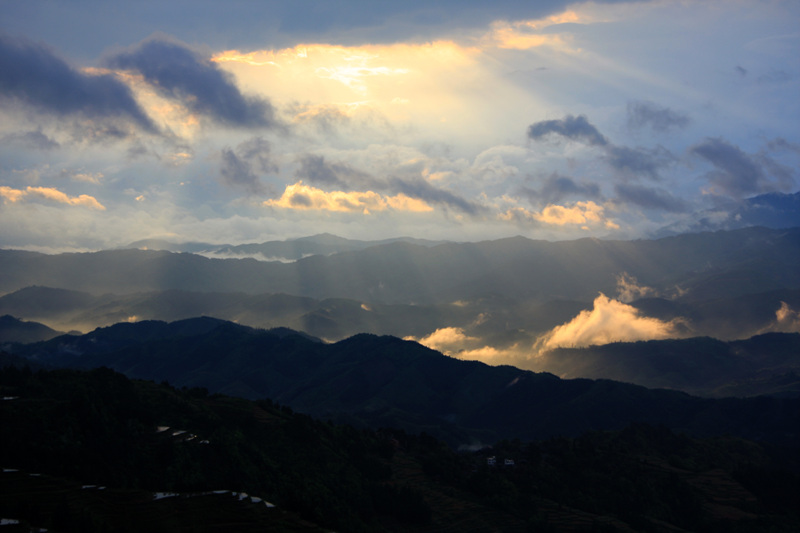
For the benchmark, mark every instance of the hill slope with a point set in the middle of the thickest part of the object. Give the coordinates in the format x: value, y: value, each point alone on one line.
x: 94, y: 451
x: 385, y: 381
x: 706, y: 264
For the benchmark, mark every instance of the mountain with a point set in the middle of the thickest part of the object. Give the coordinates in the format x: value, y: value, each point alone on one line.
x: 286, y: 251
x: 763, y: 365
x: 21, y: 331
x: 387, y: 382
x: 772, y: 210
x: 707, y: 265
x: 94, y: 451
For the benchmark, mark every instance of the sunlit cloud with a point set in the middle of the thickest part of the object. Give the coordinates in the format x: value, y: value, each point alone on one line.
x: 523, y: 34
x: 628, y: 289
x: 454, y: 342
x: 94, y: 178
x: 441, y: 86
x: 48, y: 193
x: 585, y: 215
x: 608, y: 321
x: 787, y: 320
x: 304, y: 197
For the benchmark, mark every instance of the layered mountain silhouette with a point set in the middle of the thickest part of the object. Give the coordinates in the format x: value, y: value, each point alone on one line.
x: 382, y: 381
x: 13, y: 330
x: 286, y: 251
x: 707, y: 265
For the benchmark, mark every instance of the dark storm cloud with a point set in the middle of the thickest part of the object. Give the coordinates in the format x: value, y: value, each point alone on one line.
x: 634, y: 163
x: 315, y: 169
x: 572, y: 127
x: 236, y: 167
x: 183, y: 74
x: 649, y: 198
x: 32, y: 75
x: 735, y: 173
x: 421, y: 189
x: 557, y: 187
x: 643, y: 114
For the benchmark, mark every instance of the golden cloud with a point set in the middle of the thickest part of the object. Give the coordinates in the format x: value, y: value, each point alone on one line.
x: 584, y: 214
x: 521, y: 35
x: 787, y: 320
x: 608, y: 321
x: 429, y: 83
x: 49, y: 193
x: 304, y: 197
x: 454, y: 342
x: 628, y: 289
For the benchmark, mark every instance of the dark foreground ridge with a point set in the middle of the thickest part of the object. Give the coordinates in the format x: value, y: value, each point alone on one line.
x: 93, y: 451
x: 381, y: 381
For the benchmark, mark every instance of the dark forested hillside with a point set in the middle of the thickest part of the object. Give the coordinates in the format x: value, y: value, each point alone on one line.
x: 767, y: 364
x: 384, y: 381
x: 96, y: 452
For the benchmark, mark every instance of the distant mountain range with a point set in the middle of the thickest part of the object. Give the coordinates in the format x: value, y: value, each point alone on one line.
x: 707, y: 265
x: 284, y: 251
x: 772, y: 210
x: 501, y: 296
x: 388, y: 382
x: 13, y: 330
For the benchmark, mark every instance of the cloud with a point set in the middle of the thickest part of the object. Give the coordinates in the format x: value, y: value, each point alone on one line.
x: 31, y: 74
x: 608, y: 321
x: 31, y: 139
x: 236, y: 167
x: 87, y: 177
x: 183, y: 74
x: 638, y: 162
x: 736, y: 173
x: 454, y: 342
x: 527, y: 34
x: 315, y: 169
x: 16, y: 195
x: 572, y: 127
x: 583, y: 214
x: 236, y: 172
x: 650, y: 198
x: 642, y: 114
x: 628, y: 289
x: 421, y: 189
x: 557, y: 187
x: 775, y: 76
x: 304, y: 197
x: 787, y: 320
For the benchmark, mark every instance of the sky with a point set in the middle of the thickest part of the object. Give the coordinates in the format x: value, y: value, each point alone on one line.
x: 240, y: 121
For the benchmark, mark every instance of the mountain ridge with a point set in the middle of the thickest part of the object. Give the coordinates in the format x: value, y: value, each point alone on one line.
x: 720, y: 263
x: 382, y: 381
